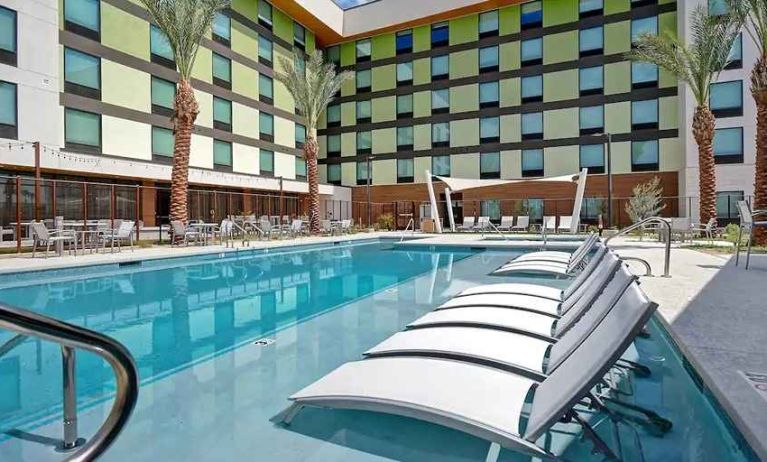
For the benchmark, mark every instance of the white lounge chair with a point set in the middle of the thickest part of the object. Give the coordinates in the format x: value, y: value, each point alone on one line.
x: 483, y: 223
x: 549, y: 224
x: 122, y: 234
x: 564, y: 223
x: 506, y: 223
x: 523, y: 224
x: 583, y: 249
x: 468, y: 224
x: 747, y: 225
x: 558, y: 266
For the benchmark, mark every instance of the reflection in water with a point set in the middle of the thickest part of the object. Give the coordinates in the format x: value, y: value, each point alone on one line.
x: 169, y: 318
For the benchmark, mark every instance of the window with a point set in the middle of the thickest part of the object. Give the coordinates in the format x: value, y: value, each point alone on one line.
x: 592, y: 208
x: 588, y: 8
x: 266, y: 162
x: 534, y: 208
x: 490, y: 129
x: 727, y: 206
x: 404, y: 106
x: 333, y: 55
x: 488, y: 59
x: 532, y: 89
x: 222, y: 28
x: 82, y: 74
x: 160, y: 48
x: 405, y: 170
x: 222, y: 71
x: 590, y: 41
x: 440, y: 165
x: 440, y: 67
x: 222, y: 114
x: 644, y: 155
x: 638, y: 3
x: 532, y: 126
x: 363, y: 81
x: 490, y: 165
x: 265, y: 51
x: 488, y: 24
x: 405, y: 138
x: 364, y: 142
x: 717, y: 7
x: 363, y: 50
x: 300, y: 63
x: 591, y: 80
x: 405, y: 73
x: 489, y: 94
x: 532, y: 51
x: 726, y: 98
x: 362, y: 172
x: 440, y: 101
x: 643, y: 26
x: 440, y: 134
x: 8, y: 110
x: 404, y: 41
x: 592, y: 120
x: 83, y: 17
x: 7, y: 36
x: 222, y: 154
x: 300, y: 169
x: 162, y: 142
x: 334, y: 145
x: 532, y: 162
x: 592, y: 157
x: 334, y: 116
x: 490, y: 208
x: 728, y: 145
x: 334, y: 174
x: 644, y: 114
x: 265, y: 14
x: 440, y: 34
x: 643, y: 75
x: 300, y: 136
x: 266, y: 126
x: 265, y: 89
x: 299, y: 36
x: 531, y: 15
x: 363, y: 111
x: 82, y: 130
x: 163, y: 96
x: 735, y: 59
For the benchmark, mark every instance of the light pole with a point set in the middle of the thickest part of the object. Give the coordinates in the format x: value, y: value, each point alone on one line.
x: 608, y: 138
x: 369, y: 158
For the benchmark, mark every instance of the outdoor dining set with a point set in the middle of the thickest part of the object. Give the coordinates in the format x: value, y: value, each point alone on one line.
x: 92, y: 235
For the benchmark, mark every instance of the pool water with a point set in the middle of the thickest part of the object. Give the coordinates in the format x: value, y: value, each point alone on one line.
x: 209, y: 393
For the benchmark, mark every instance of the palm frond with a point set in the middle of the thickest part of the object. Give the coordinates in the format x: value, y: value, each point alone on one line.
x: 184, y: 23
x: 754, y: 14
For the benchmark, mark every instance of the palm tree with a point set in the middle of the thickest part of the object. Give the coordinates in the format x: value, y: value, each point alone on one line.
x: 754, y: 14
x: 697, y: 64
x: 312, y: 88
x: 184, y: 23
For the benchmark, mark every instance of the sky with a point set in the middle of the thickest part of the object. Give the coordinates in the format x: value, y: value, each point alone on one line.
x: 346, y: 4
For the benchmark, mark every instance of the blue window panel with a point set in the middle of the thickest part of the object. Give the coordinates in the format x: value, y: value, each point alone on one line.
x: 404, y: 41
x: 222, y: 153
x: 643, y: 26
x: 728, y: 142
x: 591, y: 117
x: 532, y: 86
x: 82, y: 69
x: 334, y: 113
x: 405, y: 72
x: 159, y: 44
x: 726, y: 95
x: 489, y: 128
x: 735, y: 57
x: 266, y: 86
x: 222, y: 110
x: 362, y: 172
x: 644, y: 154
x: 162, y: 142
x: 222, y: 26
x: 265, y: 123
x: 7, y: 30
x: 363, y: 49
x: 300, y: 168
x: 84, y: 13
x: 440, y: 34
x: 488, y: 92
x: 440, y: 132
x: 300, y: 134
x: 266, y: 161
x: 717, y: 7
x: 265, y: 48
x: 586, y: 6
x: 592, y: 156
x: 488, y: 58
x: 440, y: 165
x: 591, y: 79
x: 222, y: 68
x: 531, y: 13
x: 532, y: 123
x: 643, y: 73
x: 363, y: 79
x: 532, y: 50
x: 82, y: 128
x: 488, y: 23
x: 644, y: 112
x: 590, y: 40
x: 727, y: 204
x: 489, y: 164
x: 532, y: 160
x: 7, y: 103
x: 440, y: 99
x: 440, y: 66
x: 404, y: 136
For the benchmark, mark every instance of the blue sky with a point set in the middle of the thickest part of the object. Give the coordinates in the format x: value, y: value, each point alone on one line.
x: 345, y: 4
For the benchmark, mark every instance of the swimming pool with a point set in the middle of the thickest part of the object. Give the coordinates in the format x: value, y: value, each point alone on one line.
x: 209, y: 393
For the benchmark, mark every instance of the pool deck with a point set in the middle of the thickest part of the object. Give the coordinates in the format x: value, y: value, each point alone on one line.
x: 713, y: 309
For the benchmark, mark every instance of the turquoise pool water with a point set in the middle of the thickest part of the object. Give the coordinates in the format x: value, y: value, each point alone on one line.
x: 210, y: 394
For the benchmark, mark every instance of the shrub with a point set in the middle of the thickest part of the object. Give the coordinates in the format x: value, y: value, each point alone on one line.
x: 731, y: 233
x: 386, y: 221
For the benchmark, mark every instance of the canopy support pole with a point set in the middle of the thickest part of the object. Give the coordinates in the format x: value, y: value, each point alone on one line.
x: 433, y: 202
x: 578, y: 204
x: 450, y: 209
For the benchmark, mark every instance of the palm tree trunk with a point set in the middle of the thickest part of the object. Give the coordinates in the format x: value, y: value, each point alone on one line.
x: 703, y: 124
x: 185, y: 113
x: 310, y: 154
x: 759, y: 92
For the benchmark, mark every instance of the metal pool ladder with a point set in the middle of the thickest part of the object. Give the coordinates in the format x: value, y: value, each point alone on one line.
x: 639, y: 224
x: 71, y: 338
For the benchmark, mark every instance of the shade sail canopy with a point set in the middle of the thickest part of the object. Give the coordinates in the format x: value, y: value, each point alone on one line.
x: 462, y: 184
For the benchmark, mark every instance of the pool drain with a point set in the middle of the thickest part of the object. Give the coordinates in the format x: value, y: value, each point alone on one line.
x: 263, y: 342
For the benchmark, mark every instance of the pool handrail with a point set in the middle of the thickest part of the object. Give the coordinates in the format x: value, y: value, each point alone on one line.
x: 641, y: 223
x: 26, y: 323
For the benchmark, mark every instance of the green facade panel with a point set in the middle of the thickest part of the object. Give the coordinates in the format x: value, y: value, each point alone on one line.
x: 248, y: 8
x: 617, y: 78
x: 384, y: 109
x: 282, y: 25
x: 244, y: 80
x: 464, y: 98
x: 464, y: 64
x: 509, y: 89
x: 384, y: 77
x: 422, y: 104
x: 616, y: 6
x: 464, y: 29
x: 617, y: 37
x: 382, y: 46
x: 560, y: 123
x: 244, y: 40
x: 124, y: 32
x: 421, y: 38
x: 508, y: 18
x: 559, y: 86
x: 508, y: 56
x: 557, y: 12
x: 560, y: 47
x: 421, y: 71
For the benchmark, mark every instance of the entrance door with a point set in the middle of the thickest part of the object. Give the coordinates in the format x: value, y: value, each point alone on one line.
x: 457, y: 205
x: 162, y: 206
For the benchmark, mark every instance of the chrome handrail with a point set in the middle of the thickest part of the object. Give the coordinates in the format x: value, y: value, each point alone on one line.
x: 412, y: 231
x: 641, y: 223
x: 494, y: 228
x: 70, y: 338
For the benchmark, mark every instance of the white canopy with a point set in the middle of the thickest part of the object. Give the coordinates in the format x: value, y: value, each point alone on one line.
x: 462, y: 184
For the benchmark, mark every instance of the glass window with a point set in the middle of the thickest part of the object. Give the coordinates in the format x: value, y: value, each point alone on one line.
x: 333, y: 54
x: 726, y: 98
x: 488, y: 23
x: 265, y: 86
x: 643, y: 26
x: 532, y: 125
x: 7, y: 104
x: 490, y: 208
x: 334, y: 115
x: 159, y: 44
x: 222, y: 68
x: 591, y: 80
x: 300, y: 135
x: 334, y: 173
x: 364, y: 141
x: 266, y: 123
x: 222, y: 27
x: 404, y: 137
x: 404, y: 41
x: 489, y: 94
x: 405, y: 73
x: 490, y: 165
x: 727, y: 205
x: 334, y: 145
x: 163, y: 93
x: 265, y: 13
x: 362, y: 172
x: 440, y: 100
x: 363, y: 80
x: 405, y: 105
x: 644, y: 114
x: 300, y: 63
x: 363, y: 111
x: 440, y: 66
x: 488, y: 58
x: 532, y: 162
x: 644, y: 155
x: 265, y: 49
x: 440, y: 134
x: 266, y: 162
x: 590, y: 41
x: 532, y: 51
x: 532, y: 88
x: 590, y: 7
x: 7, y: 34
x: 363, y: 49
x: 534, y: 208
x: 82, y: 128
x: 728, y: 145
x: 591, y: 119
x: 222, y: 153
x: 162, y: 142
x: 222, y: 111
x: 440, y: 165
x: 83, y: 13
x: 405, y: 170
x: 82, y: 69
x: 299, y: 35
x: 440, y: 34
x: 643, y: 74
x: 490, y: 129
x: 592, y: 157
x: 300, y: 168
x: 531, y: 14
x: 735, y: 58
x: 717, y: 7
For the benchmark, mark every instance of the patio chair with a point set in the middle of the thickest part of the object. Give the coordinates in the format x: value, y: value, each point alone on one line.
x: 682, y: 227
x: 565, y: 222
x: 747, y: 225
x: 523, y: 224
x: 483, y: 223
x: 708, y: 230
x: 266, y: 229
x: 506, y: 223
x: 468, y: 224
x: 346, y: 226
x: 224, y: 231
x: 42, y: 236
x: 122, y: 234
x: 549, y: 224
x: 183, y: 234
x: 327, y: 227
x: 296, y: 228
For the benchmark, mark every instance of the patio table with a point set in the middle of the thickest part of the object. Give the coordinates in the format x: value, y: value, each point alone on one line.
x: 204, y: 228
x: 88, y: 238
